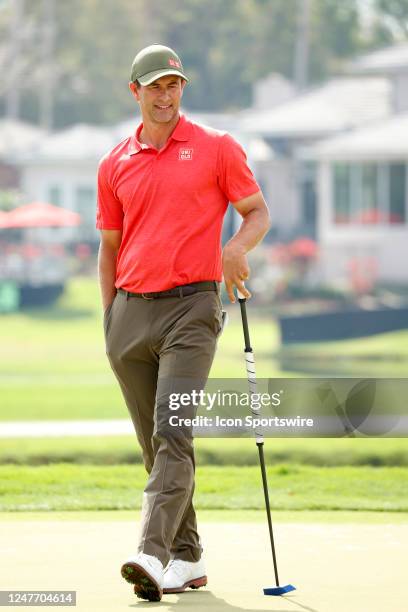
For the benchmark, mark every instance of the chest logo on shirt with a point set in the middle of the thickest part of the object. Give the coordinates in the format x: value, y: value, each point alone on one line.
x: 185, y: 154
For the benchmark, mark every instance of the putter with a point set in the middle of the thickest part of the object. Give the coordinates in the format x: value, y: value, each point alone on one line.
x: 250, y: 368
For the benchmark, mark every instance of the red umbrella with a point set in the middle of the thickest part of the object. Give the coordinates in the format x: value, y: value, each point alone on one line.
x: 3, y: 217
x: 40, y: 214
x: 279, y: 253
x: 304, y: 247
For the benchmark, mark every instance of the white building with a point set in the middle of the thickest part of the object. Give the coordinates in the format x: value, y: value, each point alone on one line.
x: 362, y: 187
x: 15, y: 137
x: 362, y: 200
x: 61, y: 170
x: 338, y: 106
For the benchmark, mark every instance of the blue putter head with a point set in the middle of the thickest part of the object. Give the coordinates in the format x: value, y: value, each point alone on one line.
x: 280, y: 590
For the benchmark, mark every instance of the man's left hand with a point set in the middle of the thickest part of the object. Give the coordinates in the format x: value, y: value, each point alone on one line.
x: 236, y: 270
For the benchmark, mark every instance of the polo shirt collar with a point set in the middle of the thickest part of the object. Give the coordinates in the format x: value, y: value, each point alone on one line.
x: 180, y: 133
x: 182, y: 130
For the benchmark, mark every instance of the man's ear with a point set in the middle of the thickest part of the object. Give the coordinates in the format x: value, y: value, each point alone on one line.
x: 183, y: 84
x: 134, y: 90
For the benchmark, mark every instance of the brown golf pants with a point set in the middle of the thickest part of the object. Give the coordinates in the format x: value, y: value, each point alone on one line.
x: 157, y: 347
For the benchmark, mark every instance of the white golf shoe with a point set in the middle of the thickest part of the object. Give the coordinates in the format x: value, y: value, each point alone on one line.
x: 180, y: 575
x: 146, y: 573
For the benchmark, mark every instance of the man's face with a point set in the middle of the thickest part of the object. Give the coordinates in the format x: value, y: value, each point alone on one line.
x: 160, y: 101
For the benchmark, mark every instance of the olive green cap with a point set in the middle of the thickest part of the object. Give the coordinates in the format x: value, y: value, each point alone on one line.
x: 155, y: 61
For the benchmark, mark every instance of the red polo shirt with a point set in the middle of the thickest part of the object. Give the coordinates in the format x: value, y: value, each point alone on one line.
x: 170, y: 204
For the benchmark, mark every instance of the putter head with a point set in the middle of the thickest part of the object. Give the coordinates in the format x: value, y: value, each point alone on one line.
x: 280, y: 590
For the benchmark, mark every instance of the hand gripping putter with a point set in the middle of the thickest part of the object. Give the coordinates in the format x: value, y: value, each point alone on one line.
x: 250, y: 367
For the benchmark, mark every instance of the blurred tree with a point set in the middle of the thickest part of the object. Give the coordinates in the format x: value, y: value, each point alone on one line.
x: 394, y: 14
x: 334, y: 36
x: 225, y: 45
x: 95, y: 48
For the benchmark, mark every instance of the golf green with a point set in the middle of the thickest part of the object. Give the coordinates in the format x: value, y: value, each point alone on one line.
x: 336, y: 567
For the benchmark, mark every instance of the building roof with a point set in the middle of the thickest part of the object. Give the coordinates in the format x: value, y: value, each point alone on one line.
x: 340, y: 104
x: 386, y: 139
x: 17, y: 136
x: 85, y: 142
x: 272, y: 90
x: 80, y: 142
x: 384, y: 61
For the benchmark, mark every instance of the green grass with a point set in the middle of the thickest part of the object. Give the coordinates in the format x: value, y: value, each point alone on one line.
x: 381, y: 356
x: 69, y: 401
x: 53, y: 366
x: 53, y: 363
x: 218, y: 516
x: 62, y: 487
x: 125, y: 449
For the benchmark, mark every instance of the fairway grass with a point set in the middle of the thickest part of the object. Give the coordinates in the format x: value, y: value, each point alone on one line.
x: 53, y: 363
x: 218, y: 516
x: 62, y: 487
x: 112, y: 450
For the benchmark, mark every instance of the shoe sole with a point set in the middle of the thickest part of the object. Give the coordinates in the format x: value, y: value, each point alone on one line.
x: 192, y: 584
x: 145, y: 586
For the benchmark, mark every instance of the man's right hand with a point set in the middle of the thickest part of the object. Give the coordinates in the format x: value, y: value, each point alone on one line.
x: 108, y: 252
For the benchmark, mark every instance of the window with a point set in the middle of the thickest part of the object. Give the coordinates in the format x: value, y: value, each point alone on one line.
x: 342, y: 200
x: 86, y: 207
x: 369, y: 193
x: 55, y: 195
x: 307, y: 179
x: 397, y: 193
x: 368, y: 211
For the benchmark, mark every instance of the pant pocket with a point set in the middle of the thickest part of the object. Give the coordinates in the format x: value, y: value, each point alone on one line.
x: 219, y: 316
x: 224, y: 318
x: 106, y: 316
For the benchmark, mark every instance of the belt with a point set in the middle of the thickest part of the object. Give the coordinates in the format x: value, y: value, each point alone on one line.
x: 179, y: 291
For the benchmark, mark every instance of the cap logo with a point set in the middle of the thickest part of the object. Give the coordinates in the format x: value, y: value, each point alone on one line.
x: 174, y: 63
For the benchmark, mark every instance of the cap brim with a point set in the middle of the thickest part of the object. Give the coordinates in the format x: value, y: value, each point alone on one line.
x: 148, y: 78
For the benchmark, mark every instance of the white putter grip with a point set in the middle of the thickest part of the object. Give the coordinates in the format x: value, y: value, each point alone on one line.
x: 250, y: 367
x: 253, y: 390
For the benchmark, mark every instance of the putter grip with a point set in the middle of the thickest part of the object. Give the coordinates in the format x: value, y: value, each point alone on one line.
x: 240, y: 295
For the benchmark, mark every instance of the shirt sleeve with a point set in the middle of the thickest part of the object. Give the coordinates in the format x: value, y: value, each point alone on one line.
x: 234, y: 175
x: 109, y: 211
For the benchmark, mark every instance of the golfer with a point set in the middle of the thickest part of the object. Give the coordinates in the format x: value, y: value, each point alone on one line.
x: 162, y: 196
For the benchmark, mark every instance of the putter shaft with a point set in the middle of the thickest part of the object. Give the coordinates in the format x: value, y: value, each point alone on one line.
x: 259, y: 439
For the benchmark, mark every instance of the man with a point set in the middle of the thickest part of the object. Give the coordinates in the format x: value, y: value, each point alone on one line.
x: 162, y: 196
